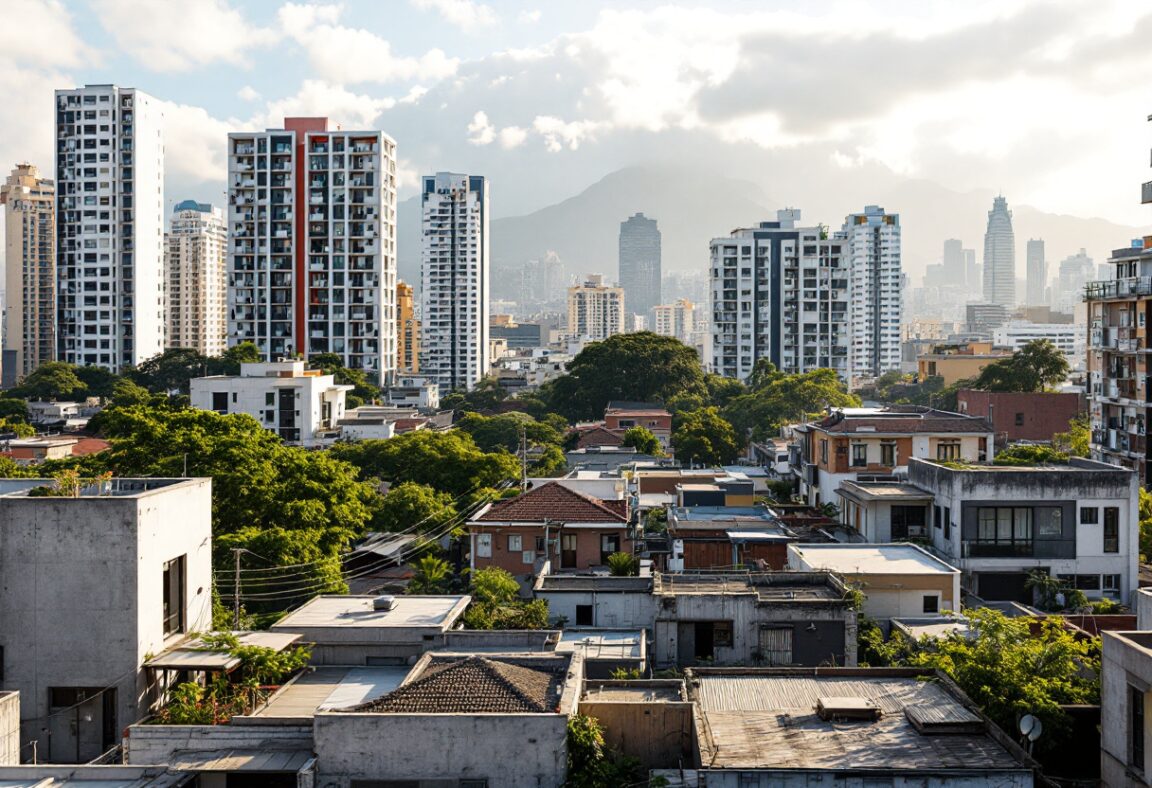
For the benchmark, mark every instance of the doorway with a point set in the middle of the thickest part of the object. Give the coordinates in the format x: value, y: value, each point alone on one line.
x: 81, y: 723
x: 568, y: 551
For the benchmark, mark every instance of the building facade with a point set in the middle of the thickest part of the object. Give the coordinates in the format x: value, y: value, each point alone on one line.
x: 302, y: 406
x: 676, y: 320
x: 30, y: 280
x: 595, y: 310
x: 1000, y: 256
x: 875, y: 279
x: 455, y: 291
x: 312, y: 234
x: 1037, y: 273
x: 109, y: 226
x: 1069, y: 338
x: 407, y: 331
x: 640, y: 263
x: 196, y: 278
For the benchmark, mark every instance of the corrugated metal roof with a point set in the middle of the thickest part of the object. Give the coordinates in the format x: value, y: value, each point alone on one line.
x: 241, y: 760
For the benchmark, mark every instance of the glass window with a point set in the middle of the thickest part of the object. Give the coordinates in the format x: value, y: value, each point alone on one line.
x: 1136, y: 728
x: 483, y: 545
x: 1111, y: 529
x: 948, y: 450
x: 931, y: 603
x: 722, y: 633
x: 515, y: 543
x: 1089, y: 515
x: 823, y: 450
x: 859, y: 455
x: 174, y: 600
x: 888, y: 454
x: 1049, y: 524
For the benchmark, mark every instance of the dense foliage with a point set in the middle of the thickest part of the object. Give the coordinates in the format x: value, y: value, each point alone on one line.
x: 496, y: 603
x: 704, y: 437
x: 774, y: 399
x: 641, y: 439
x: 1037, y: 366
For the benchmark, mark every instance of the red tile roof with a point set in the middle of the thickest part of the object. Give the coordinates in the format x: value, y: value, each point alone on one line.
x: 554, y: 501
x: 599, y: 436
x: 89, y: 446
x: 903, y: 420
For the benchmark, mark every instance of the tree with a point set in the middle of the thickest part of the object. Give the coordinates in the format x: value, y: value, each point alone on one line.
x: 642, y: 440
x: 493, y: 433
x: 333, y: 364
x: 1145, y: 524
x: 410, y: 505
x: 642, y: 367
x: 1076, y: 441
x: 705, y: 438
x: 775, y: 399
x: 433, y: 576
x: 551, y: 462
x: 228, y: 363
x: 52, y: 381
x: 98, y: 381
x: 1036, y: 366
x: 623, y: 565
x: 722, y: 390
x: 170, y: 371
x: 125, y: 394
x: 11, y: 426
x: 446, y: 461
x: 496, y: 603
x: 484, y: 396
x: 13, y: 409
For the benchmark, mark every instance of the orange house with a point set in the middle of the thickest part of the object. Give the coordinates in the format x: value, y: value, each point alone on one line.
x: 551, y: 522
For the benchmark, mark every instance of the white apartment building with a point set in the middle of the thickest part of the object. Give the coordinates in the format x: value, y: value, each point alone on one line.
x: 780, y: 292
x: 109, y: 226
x: 196, y: 277
x: 300, y: 405
x: 30, y: 282
x: 94, y: 583
x: 875, y: 281
x: 676, y: 320
x: 595, y: 310
x: 454, y: 263
x: 312, y: 236
x: 1070, y: 338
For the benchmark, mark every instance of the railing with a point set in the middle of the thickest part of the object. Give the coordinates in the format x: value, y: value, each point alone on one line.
x: 1118, y: 288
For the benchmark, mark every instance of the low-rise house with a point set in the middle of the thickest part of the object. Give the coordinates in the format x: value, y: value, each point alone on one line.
x: 1077, y: 521
x: 862, y: 444
x: 110, y: 776
x: 896, y: 579
x: 131, y: 555
x: 373, y: 630
x: 598, y: 600
x: 959, y: 361
x: 846, y: 727
x: 1125, y: 700
x: 371, y: 422
x: 1022, y: 416
x: 302, y: 406
x: 727, y: 490
x: 456, y: 720
x: 719, y: 537
x: 413, y: 392
x: 608, y: 458
x: 63, y: 415
x: 36, y: 450
x: 551, y: 523
x: 653, y: 417
x: 885, y: 511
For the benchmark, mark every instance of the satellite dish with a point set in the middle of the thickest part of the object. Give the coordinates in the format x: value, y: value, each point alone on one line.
x: 1031, y: 727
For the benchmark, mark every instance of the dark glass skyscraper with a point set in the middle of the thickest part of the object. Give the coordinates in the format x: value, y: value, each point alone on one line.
x: 640, y: 264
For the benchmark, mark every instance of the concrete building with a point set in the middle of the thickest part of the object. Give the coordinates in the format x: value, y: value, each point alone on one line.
x: 1070, y: 338
x: 885, y: 511
x: 676, y: 320
x: 413, y: 391
x: 847, y: 727
x: 620, y: 417
x: 1077, y: 522
x: 874, y: 305
x: 639, y: 264
x: 854, y: 444
x: 109, y: 226
x: 29, y: 325
x: 1125, y: 700
x: 455, y: 291
x: 958, y: 362
x: 981, y: 320
x: 781, y: 292
x: 196, y: 278
x: 953, y: 269
x: 595, y: 310
x: 407, y: 331
x: 1000, y: 256
x: 131, y: 554
x: 312, y: 228
x: 300, y: 405
x: 897, y: 579
x: 1076, y: 271
x: 1020, y: 416
x: 1037, y: 271
x: 9, y: 728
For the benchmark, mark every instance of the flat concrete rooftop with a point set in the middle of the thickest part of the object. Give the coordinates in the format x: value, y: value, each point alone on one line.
x: 872, y: 559
x: 356, y: 612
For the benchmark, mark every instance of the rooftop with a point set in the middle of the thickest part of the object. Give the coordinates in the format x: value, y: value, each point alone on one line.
x: 554, y: 501
x: 766, y: 586
x: 353, y: 612
x: 114, y: 488
x: 603, y: 644
x: 327, y: 688
x: 597, y: 583
x: 874, y: 559
x: 49, y: 776
x: 901, y: 419
x: 193, y: 655
x: 882, y: 491
x: 475, y: 685
x: 767, y: 720
x: 932, y: 627
x: 634, y: 691
x: 1074, y: 465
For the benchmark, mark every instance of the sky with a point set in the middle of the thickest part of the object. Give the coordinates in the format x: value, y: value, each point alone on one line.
x: 1045, y: 100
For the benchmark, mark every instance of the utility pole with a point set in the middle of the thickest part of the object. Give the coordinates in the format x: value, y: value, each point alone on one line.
x: 523, y: 459
x: 236, y: 551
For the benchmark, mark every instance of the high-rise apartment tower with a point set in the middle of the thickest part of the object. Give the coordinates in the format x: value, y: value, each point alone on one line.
x: 1037, y: 273
x: 109, y: 226
x: 407, y: 331
x: 30, y: 282
x: 196, y: 276
x: 875, y: 274
x: 595, y: 310
x: 1000, y: 256
x: 640, y: 263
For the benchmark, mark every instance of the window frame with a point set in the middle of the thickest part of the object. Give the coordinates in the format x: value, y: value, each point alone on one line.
x: 859, y: 455
x: 174, y: 611
x: 1110, y: 540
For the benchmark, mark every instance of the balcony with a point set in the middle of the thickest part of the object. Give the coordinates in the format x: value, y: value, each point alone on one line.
x: 1118, y: 288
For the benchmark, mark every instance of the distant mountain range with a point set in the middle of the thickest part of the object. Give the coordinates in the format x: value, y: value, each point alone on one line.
x: 692, y: 207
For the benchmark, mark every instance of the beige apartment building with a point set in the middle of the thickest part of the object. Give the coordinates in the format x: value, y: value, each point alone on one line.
x: 595, y: 310
x: 30, y: 284
x: 407, y: 331
x: 196, y: 278
x: 675, y: 320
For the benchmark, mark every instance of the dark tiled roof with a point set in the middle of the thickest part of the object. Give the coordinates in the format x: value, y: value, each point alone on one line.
x: 623, y: 404
x: 904, y: 419
x: 475, y: 685
x: 599, y: 436
x: 554, y: 501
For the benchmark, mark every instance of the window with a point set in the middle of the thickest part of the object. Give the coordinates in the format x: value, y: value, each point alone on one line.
x: 483, y: 545
x: 1111, y: 529
x: 584, y: 615
x: 1004, y: 530
x: 269, y: 398
x: 907, y: 521
x: 174, y: 596
x: 931, y: 603
x: 937, y: 520
x: 948, y: 523
x: 1019, y: 419
x: 540, y: 544
x: 1136, y: 728
x: 888, y: 454
x: 1089, y: 515
x: 859, y: 455
x: 722, y: 633
x: 528, y: 556
x: 515, y: 543
x: 823, y: 450
x: 1110, y: 583
x: 948, y: 450
x: 220, y: 402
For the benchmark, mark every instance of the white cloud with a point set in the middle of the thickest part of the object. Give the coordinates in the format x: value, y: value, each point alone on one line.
x: 165, y: 38
x: 529, y: 17
x: 512, y: 137
x: 347, y: 55
x: 480, y: 131
x: 195, y: 145
x: 40, y: 33
x: 464, y: 14
x: 320, y: 98
x: 248, y: 93
x: 559, y: 134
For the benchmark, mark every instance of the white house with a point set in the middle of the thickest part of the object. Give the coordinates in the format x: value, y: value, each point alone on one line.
x: 300, y: 405
x: 91, y: 585
x: 1125, y: 697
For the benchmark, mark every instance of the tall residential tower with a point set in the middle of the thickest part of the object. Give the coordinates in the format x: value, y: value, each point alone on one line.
x: 109, y: 226
x: 640, y: 264
x: 1037, y: 273
x: 30, y: 282
x: 196, y: 277
x: 1000, y: 256
x: 875, y: 310
x: 595, y: 310
x: 454, y: 263
x: 312, y: 234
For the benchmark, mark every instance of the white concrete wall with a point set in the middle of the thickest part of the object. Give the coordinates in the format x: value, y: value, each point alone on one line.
x: 1143, y: 605
x: 148, y: 216
x: 509, y: 750
x: 9, y: 728
x: 609, y: 609
x: 248, y: 395
x: 1124, y: 666
x: 149, y: 744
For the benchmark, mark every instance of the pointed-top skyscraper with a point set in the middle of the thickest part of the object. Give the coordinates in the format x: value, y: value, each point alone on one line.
x: 1000, y: 256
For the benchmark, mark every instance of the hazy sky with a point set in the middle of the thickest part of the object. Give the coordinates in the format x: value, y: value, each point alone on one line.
x: 1046, y: 100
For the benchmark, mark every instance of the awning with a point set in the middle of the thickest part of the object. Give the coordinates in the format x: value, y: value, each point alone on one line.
x: 240, y: 760
x: 191, y: 654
